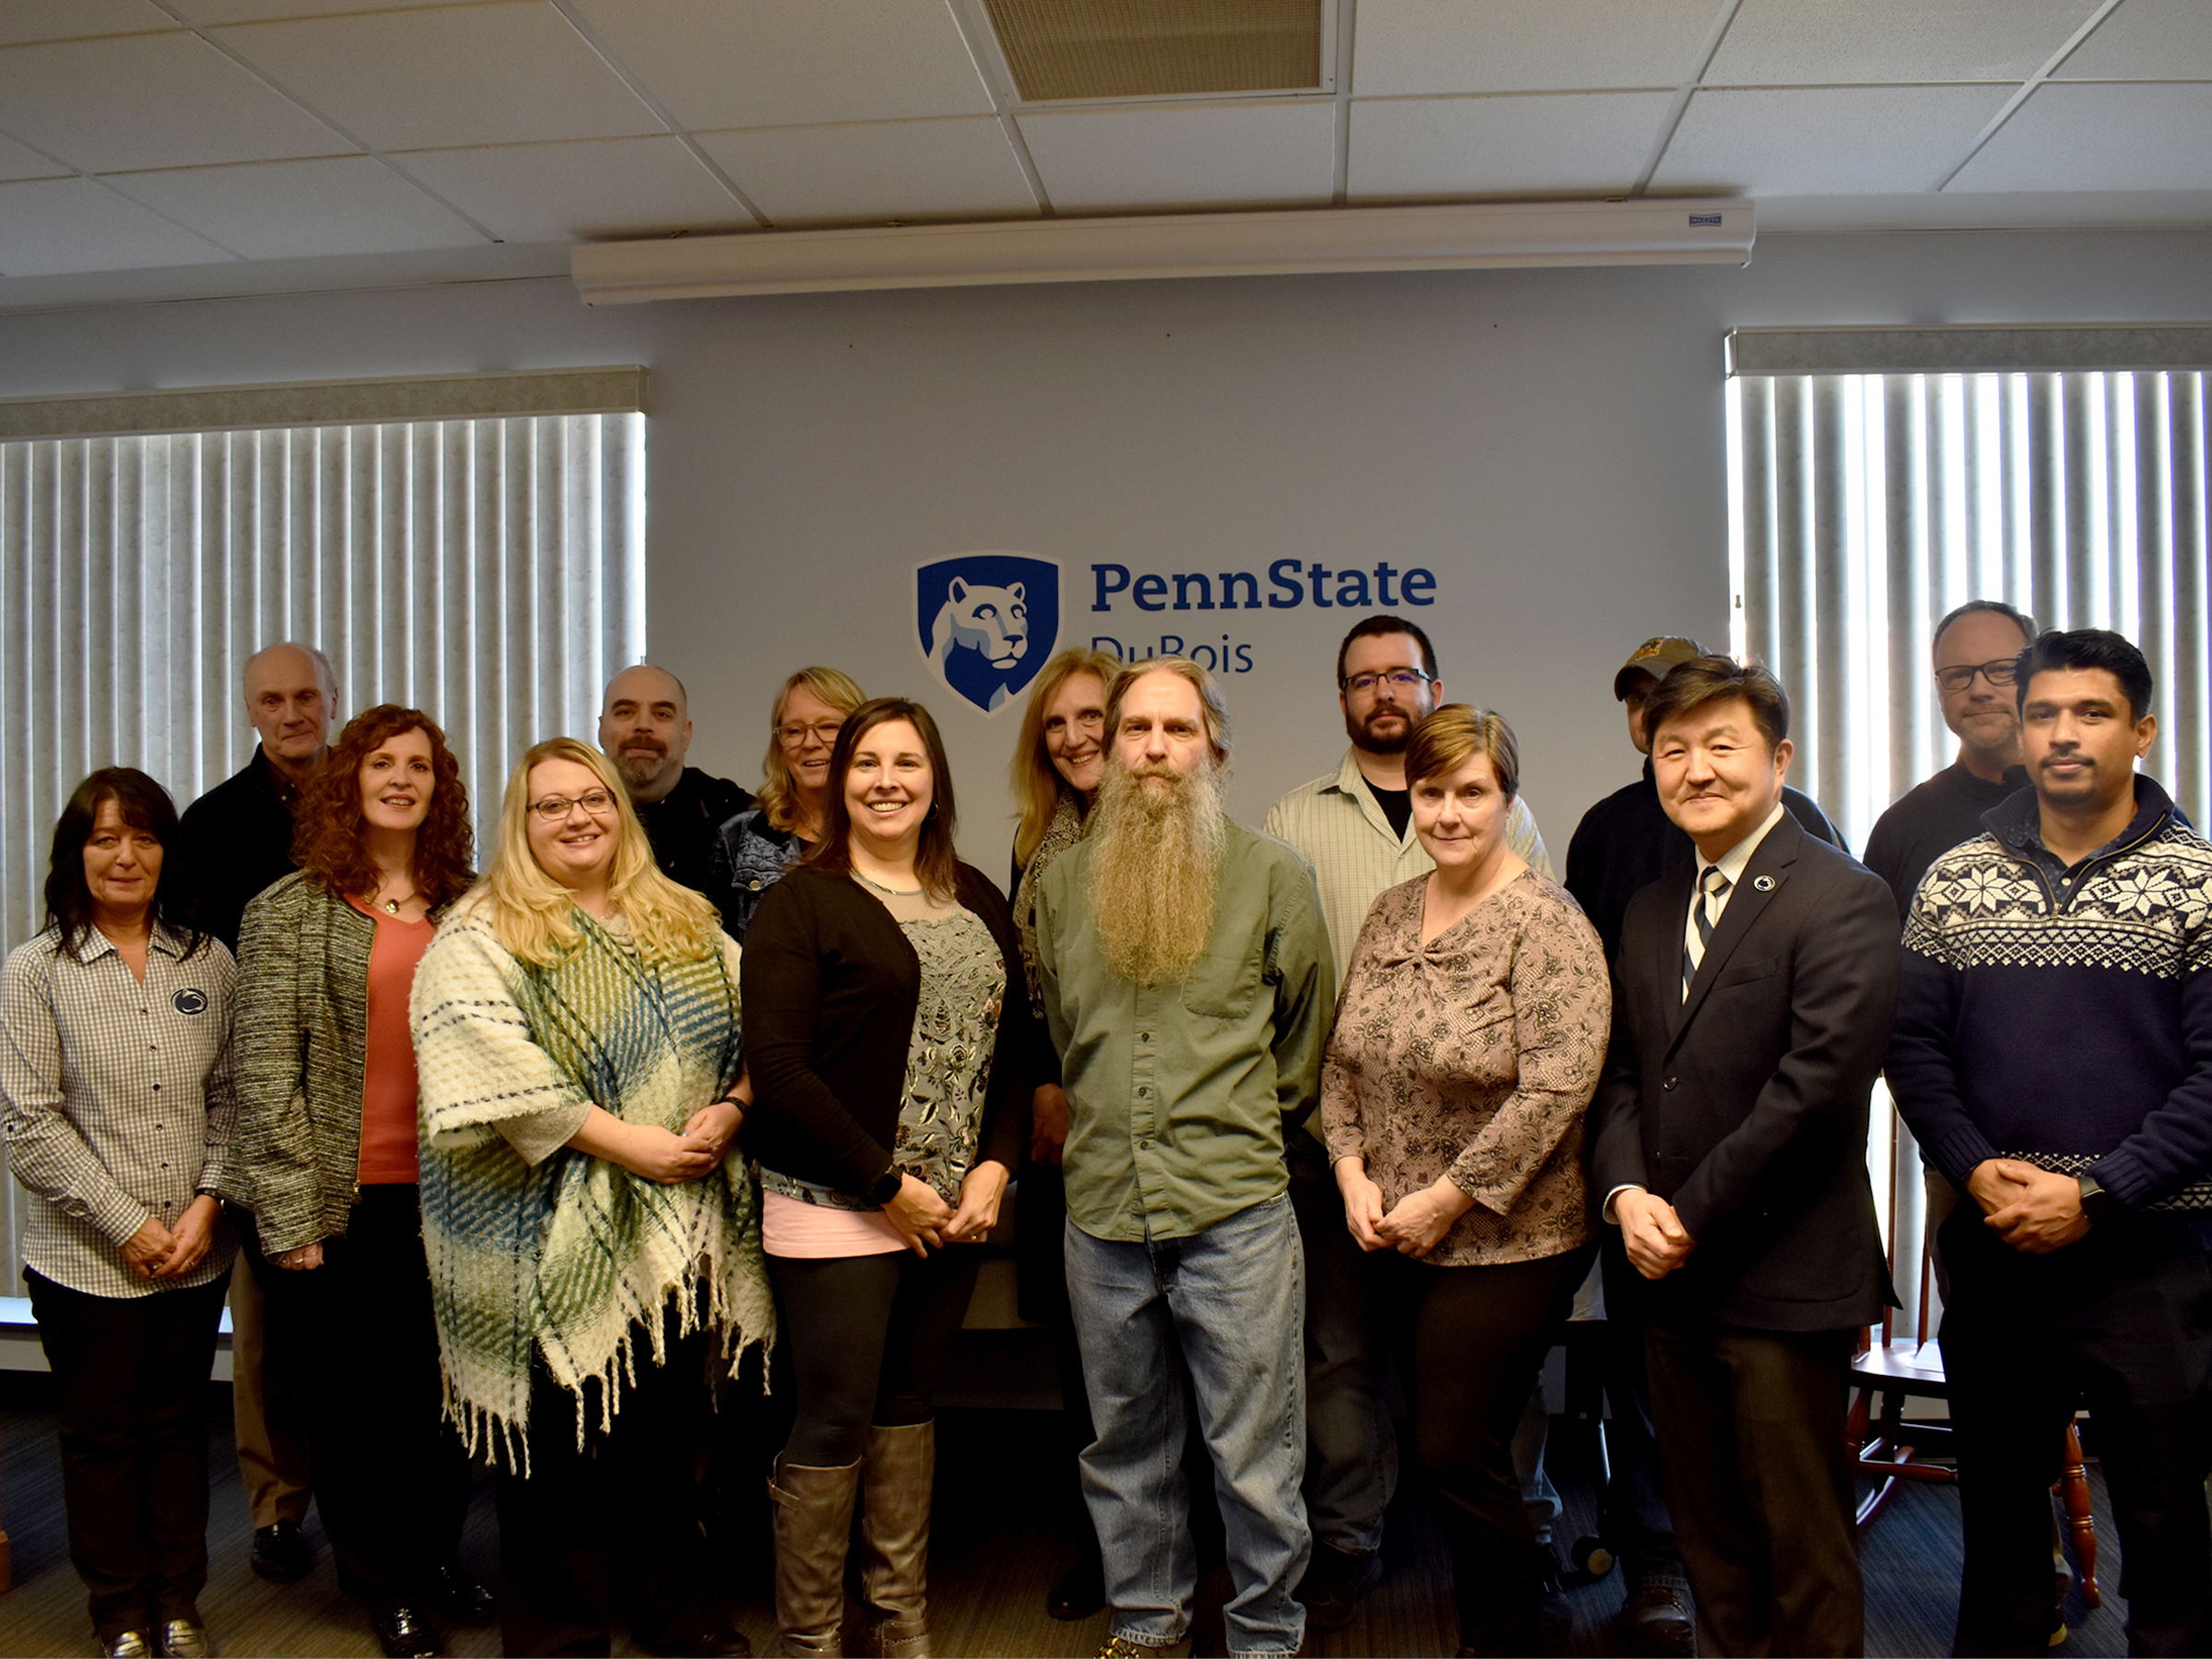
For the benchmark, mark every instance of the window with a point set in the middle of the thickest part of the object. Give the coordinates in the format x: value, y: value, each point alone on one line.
x: 472, y: 546
x: 1880, y: 476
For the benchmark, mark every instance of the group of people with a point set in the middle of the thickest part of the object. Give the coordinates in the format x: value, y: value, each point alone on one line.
x: 524, y: 1163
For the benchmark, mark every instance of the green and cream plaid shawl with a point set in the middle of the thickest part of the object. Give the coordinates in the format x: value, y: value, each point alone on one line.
x: 565, y: 1257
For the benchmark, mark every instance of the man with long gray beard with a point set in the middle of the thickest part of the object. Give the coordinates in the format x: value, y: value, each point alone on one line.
x: 1187, y: 984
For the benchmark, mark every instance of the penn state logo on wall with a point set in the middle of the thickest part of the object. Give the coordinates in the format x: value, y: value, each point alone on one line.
x: 988, y: 621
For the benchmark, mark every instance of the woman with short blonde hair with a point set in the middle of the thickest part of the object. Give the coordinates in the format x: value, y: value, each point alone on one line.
x: 754, y: 849
x: 593, y: 1240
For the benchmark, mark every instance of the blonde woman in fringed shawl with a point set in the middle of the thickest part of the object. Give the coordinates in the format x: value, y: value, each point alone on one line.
x: 593, y: 1240
x: 1059, y: 756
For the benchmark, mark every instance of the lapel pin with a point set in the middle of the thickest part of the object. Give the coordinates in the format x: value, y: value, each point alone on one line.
x: 1764, y: 884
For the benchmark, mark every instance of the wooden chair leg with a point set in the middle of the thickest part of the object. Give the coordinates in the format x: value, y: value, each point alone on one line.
x: 2073, y: 1489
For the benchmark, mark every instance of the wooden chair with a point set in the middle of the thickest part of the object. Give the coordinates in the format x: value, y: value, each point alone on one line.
x: 1893, y: 1448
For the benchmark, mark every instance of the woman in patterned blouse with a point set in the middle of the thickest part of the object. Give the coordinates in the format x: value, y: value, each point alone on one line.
x: 115, y: 1065
x: 1468, y: 1040
x: 879, y: 978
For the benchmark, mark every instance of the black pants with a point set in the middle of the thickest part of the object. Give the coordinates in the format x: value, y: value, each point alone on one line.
x: 867, y: 1337
x: 132, y: 1372
x: 355, y: 1341
x: 610, y: 1529
x: 1471, y: 1343
x: 2125, y: 1325
x: 1635, y: 1521
x: 1750, y: 1430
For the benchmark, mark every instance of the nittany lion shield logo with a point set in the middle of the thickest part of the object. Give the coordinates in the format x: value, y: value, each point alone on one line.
x: 988, y: 621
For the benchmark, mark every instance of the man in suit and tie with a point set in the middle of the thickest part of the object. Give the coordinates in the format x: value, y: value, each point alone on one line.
x: 1751, y: 1008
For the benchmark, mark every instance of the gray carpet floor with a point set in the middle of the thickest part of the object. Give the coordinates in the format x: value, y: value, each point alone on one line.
x: 1002, y: 1538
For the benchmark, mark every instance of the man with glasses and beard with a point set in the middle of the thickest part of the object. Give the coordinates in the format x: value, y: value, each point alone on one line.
x: 1188, y: 984
x: 645, y: 729
x: 1355, y: 827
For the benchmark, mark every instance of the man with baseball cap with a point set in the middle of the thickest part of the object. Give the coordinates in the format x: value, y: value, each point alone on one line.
x: 1624, y: 843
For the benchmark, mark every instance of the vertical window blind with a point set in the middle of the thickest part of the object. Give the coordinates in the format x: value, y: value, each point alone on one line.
x: 486, y: 566
x: 1878, y: 477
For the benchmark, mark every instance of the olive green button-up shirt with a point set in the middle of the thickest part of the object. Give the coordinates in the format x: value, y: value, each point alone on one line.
x: 1177, y: 1093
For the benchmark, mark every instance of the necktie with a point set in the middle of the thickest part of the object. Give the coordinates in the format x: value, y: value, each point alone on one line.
x: 1712, y: 884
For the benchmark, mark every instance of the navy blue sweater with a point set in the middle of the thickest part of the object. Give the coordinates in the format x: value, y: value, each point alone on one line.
x: 2064, y: 1016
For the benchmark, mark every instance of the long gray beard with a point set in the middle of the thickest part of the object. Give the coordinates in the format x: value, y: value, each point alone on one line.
x: 1153, y: 868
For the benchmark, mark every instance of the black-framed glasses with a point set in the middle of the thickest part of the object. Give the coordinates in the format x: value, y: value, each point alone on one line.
x: 1401, y: 679
x: 2003, y: 672
x: 796, y: 734
x: 553, y: 808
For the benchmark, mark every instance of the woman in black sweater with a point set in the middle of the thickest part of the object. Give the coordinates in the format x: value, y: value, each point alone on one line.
x: 876, y: 981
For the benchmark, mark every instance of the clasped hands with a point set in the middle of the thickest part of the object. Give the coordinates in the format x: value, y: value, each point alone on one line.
x: 156, y: 1252
x: 924, y: 1220
x: 1652, y: 1232
x: 2036, y: 1211
x: 1414, y: 1226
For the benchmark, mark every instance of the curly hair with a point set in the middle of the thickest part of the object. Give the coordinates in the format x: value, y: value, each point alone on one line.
x: 328, y: 842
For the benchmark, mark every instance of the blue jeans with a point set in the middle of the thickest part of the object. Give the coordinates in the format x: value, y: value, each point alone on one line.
x: 1224, y: 1306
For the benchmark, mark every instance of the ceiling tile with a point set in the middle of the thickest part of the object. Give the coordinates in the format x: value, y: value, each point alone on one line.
x: 1421, y: 46
x: 1162, y: 156
x: 60, y: 225
x: 303, y: 209
x: 453, y: 76
x: 1569, y: 143
x: 876, y: 170
x: 2146, y: 40
x: 150, y: 100
x: 209, y: 12
x: 723, y: 64
x: 573, y: 192
x: 21, y: 161
x: 1825, y: 141
x: 22, y: 20
x: 1822, y: 43
x: 2134, y: 136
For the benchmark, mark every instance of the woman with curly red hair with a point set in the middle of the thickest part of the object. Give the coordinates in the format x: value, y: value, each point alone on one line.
x: 327, y: 1088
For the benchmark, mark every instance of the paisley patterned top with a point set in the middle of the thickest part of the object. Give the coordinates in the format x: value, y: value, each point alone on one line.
x: 1474, y: 1056
x: 947, y: 1059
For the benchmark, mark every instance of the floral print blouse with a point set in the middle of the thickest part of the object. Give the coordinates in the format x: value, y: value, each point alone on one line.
x: 1474, y: 1056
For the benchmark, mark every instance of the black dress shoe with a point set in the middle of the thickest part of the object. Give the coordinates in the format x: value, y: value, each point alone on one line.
x: 281, y: 1553
x: 1655, y: 1619
x: 1081, y: 1590
x: 1335, y: 1580
x: 404, y: 1631
x: 460, y: 1597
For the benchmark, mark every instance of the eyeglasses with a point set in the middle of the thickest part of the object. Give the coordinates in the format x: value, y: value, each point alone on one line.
x: 2003, y: 672
x: 553, y: 808
x: 796, y: 735
x: 1401, y: 679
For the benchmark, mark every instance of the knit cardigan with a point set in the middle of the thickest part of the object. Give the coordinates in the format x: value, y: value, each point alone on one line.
x: 300, y: 1047
x: 572, y: 1261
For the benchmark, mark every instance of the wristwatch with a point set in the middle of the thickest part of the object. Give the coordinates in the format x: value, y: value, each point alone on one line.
x: 885, y: 1188
x: 2096, y: 1203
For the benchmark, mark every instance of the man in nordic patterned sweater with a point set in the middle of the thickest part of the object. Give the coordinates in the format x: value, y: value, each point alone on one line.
x: 2053, y: 1053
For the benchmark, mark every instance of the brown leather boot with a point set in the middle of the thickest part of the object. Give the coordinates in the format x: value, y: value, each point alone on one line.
x: 899, y: 1469
x: 813, y: 1519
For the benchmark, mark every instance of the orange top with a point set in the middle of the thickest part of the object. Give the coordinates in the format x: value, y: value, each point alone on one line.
x: 388, y: 1086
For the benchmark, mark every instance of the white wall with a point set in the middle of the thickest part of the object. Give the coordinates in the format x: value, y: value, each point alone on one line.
x: 1549, y: 442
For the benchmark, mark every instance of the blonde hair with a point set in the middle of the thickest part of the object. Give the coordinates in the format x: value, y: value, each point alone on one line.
x: 1036, y: 781
x: 535, y: 917
x: 779, y: 792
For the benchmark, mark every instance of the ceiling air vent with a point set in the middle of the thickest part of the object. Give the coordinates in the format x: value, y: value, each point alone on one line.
x: 1068, y: 49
